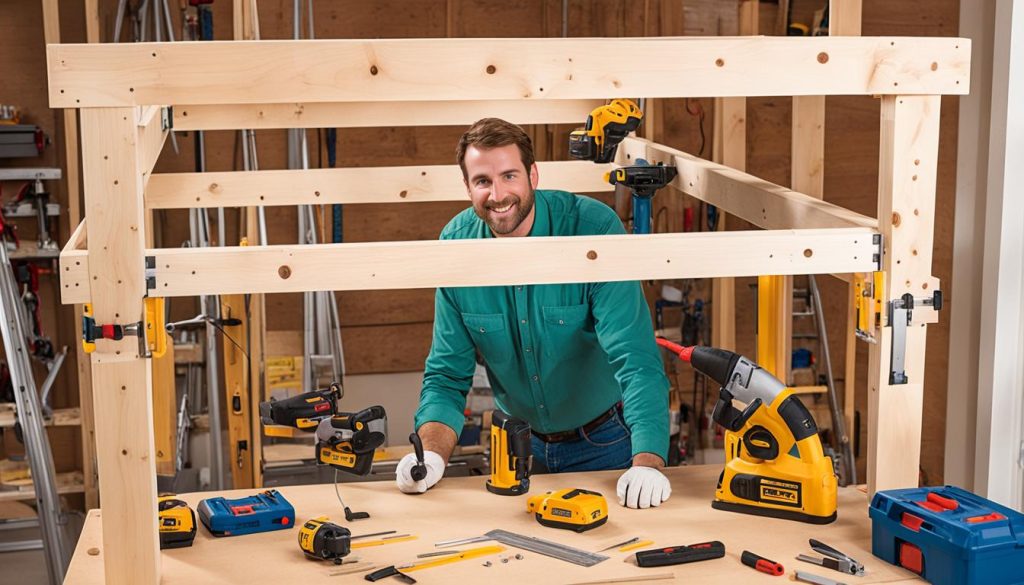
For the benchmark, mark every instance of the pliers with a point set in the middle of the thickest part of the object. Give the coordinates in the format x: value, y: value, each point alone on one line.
x: 833, y: 559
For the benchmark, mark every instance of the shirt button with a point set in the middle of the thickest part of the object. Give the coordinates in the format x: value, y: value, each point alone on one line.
x: 519, y: 288
x: 541, y: 406
x: 523, y: 321
x: 482, y: 330
x: 560, y: 322
x: 535, y: 378
x: 529, y: 349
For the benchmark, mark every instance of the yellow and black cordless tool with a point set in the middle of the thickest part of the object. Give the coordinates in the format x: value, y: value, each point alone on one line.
x: 606, y: 127
x: 511, y: 455
x: 347, y: 442
x: 303, y: 411
x: 572, y: 509
x: 775, y: 465
x: 323, y: 540
x: 177, y: 522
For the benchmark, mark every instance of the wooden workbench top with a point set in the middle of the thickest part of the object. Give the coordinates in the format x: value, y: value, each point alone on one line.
x: 461, y: 507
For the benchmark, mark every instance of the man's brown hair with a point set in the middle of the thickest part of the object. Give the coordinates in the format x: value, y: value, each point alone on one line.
x: 492, y: 133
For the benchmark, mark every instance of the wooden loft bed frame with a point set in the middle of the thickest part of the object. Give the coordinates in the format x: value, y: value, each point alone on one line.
x: 130, y: 95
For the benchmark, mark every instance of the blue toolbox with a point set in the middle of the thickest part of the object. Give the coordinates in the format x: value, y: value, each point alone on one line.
x: 260, y: 513
x: 948, y: 535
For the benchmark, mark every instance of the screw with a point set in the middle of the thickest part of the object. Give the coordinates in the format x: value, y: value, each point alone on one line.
x: 519, y: 557
x: 504, y: 559
x: 487, y: 563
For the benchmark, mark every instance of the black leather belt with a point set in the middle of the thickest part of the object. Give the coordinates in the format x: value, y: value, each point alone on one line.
x: 573, y: 434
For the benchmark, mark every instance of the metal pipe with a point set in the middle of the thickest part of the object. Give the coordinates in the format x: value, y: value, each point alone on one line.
x: 833, y: 401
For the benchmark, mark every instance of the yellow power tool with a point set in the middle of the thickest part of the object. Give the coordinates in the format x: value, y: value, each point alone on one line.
x: 177, y: 522
x: 775, y: 465
x: 572, y: 509
x: 511, y: 455
x: 323, y: 540
x: 606, y: 127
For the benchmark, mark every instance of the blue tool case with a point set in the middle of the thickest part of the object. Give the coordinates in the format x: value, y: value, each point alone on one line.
x: 948, y: 535
x: 260, y: 513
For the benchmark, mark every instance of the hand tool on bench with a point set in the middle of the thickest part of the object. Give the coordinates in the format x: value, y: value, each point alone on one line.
x: 636, y: 545
x: 677, y: 555
x: 621, y: 544
x: 775, y: 465
x: 420, y: 565
x: 547, y: 548
x: 833, y: 559
x: 325, y: 541
x: 815, y: 579
x: 759, y: 563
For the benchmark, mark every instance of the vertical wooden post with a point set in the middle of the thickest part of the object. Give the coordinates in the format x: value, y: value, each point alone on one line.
x: 237, y: 388
x: 730, y: 149
x: 908, y: 158
x: 122, y: 383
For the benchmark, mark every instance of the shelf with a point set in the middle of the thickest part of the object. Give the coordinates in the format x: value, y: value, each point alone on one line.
x: 30, y: 174
x: 71, y: 482
x: 27, y: 209
x: 62, y: 417
x: 29, y: 249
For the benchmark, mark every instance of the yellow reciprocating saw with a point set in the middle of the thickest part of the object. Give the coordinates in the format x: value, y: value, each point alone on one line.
x: 606, y: 127
x: 775, y: 465
x: 511, y: 455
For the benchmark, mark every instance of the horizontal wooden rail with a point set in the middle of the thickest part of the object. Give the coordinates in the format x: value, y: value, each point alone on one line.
x: 310, y: 71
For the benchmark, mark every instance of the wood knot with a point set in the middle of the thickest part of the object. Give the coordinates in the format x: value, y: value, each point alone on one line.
x: 592, y: 255
x: 491, y: 69
x: 93, y: 552
x: 374, y: 70
x: 808, y: 253
x: 284, y: 272
x: 823, y: 57
x: 719, y: 62
x: 403, y: 194
x: 896, y: 219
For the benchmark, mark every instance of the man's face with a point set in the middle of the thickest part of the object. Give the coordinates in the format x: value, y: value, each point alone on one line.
x: 501, y: 189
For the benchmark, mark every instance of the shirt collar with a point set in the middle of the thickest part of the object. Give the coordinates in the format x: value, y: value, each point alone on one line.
x: 541, y: 217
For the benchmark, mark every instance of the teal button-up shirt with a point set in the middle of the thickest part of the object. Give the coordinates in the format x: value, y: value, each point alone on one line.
x: 556, y: 355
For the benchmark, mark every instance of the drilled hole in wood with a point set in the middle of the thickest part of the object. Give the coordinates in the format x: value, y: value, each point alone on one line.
x: 374, y: 70
x: 808, y: 253
x: 154, y: 54
x: 934, y: 65
x: 184, y: 114
x: 823, y: 57
x: 491, y: 69
x: 719, y: 63
x: 914, y: 252
x: 317, y: 193
x: 115, y: 182
x: 917, y: 162
x: 592, y: 255
x: 924, y: 285
x: 124, y: 451
x: 131, y: 90
x: 917, y: 212
x: 914, y: 178
x: 403, y: 194
x: 193, y: 272
x: 261, y: 197
x: 423, y: 174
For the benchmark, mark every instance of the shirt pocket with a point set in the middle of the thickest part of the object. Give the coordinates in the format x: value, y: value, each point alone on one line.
x: 490, y: 337
x: 565, y: 329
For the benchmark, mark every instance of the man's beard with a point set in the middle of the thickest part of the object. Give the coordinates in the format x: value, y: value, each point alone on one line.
x: 507, y: 223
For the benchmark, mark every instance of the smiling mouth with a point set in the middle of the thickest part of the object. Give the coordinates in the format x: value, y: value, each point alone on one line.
x: 501, y: 210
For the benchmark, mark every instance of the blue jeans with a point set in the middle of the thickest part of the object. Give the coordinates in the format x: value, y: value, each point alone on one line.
x: 606, y: 447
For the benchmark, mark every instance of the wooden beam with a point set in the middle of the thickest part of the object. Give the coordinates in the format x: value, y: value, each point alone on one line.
x: 121, y: 380
x: 256, y: 72
x: 346, y: 185
x: 92, y: 21
x: 542, y: 260
x: 152, y: 135
x: 908, y: 159
x: 760, y: 202
x: 379, y: 114
x: 236, y: 389
x: 165, y: 409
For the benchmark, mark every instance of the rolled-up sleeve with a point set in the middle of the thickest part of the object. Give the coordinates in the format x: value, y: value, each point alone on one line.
x: 448, y: 371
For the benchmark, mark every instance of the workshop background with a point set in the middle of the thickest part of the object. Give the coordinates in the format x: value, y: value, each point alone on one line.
x: 386, y: 334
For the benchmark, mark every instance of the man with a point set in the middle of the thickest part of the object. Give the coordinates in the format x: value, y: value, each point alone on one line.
x: 578, y: 361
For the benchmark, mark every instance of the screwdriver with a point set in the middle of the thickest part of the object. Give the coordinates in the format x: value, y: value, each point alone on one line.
x: 761, y: 564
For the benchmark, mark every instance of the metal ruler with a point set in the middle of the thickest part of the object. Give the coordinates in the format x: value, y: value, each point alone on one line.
x: 547, y: 548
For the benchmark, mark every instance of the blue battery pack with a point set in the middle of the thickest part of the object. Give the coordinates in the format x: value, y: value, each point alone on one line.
x: 948, y: 536
x: 263, y: 512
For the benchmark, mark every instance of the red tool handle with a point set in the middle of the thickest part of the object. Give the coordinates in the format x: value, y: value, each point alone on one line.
x: 761, y: 564
x: 677, y: 555
x: 679, y: 350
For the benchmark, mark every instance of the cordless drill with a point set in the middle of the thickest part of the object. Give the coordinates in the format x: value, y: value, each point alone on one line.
x: 303, y: 411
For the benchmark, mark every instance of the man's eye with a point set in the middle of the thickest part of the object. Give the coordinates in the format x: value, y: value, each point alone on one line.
x: 481, y: 182
x: 510, y: 177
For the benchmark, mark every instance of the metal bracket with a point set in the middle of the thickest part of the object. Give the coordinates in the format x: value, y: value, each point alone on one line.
x: 150, y: 273
x: 877, y: 256
x: 900, y: 316
x: 167, y: 118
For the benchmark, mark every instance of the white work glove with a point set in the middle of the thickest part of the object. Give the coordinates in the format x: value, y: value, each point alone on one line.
x: 403, y: 473
x: 643, y: 487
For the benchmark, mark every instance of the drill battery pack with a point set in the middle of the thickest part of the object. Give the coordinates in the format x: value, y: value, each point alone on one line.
x: 262, y: 512
x: 948, y: 535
